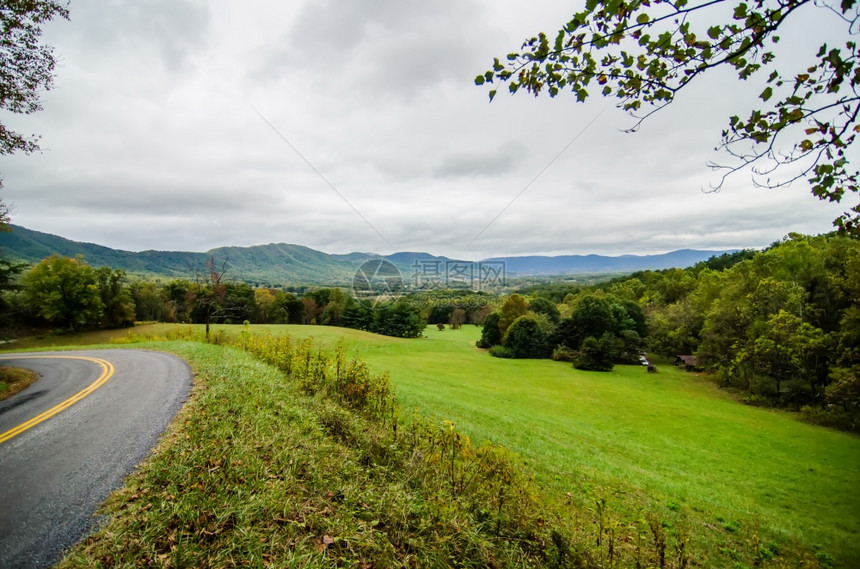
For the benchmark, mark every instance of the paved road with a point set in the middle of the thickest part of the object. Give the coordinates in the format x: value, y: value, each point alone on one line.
x: 54, y: 474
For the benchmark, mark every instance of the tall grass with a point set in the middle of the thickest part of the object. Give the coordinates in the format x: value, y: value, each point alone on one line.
x: 316, y: 468
x: 616, y: 483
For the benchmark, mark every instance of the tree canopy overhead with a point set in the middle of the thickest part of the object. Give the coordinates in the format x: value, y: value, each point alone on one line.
x: 26, y: 65
x: 644, y: 52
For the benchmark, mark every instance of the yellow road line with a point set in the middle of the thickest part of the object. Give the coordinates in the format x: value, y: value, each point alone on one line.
x: 107, y: 372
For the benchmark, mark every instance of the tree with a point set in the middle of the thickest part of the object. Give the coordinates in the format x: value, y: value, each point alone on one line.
x: 26, y: 65
x: 597, y: 354
x: 644, y: 52
x: 401, y: 319
x: 788, y: 349
x: 9, y: 272
x: 180, y: 299
x: 544, y: 306
x: 292, y: 308
x: 65, y: 290
x: 338, y: 302
x: 208, y: 293
x: 591, y: 316
x: 150, y: 302
x: 458, y: 316
x: 117, y: 303
x: 526, y: 339
x: 26, y: 69
x: 310, y: 311
x: 491, y: 335
x: 358, y: 316
x: 514, y: 307
x: 264, y: 301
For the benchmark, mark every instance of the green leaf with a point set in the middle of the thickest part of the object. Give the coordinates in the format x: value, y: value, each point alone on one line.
x: 479, y: 80
x: 559, y: 40
x: 492, y: 95
x: 714, y: 32
x: 765, y: 95
x: 643, y: 19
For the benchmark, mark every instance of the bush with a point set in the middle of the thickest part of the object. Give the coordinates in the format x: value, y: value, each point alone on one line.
x: 831, y: 416
x: 562, y: 353
x: 526, y: 339
x: 596, y: 355
x: 491, y: 334
x: 757, y: 400
x: 500, y: 351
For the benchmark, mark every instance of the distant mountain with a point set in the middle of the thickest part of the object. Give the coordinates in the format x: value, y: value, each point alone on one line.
x: 285, y: 264
x: 567, y: 264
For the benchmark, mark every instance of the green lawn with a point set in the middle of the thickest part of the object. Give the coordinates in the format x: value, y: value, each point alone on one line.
x: 669, y: 441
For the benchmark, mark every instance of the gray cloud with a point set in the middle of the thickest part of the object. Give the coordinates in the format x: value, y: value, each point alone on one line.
x: 151, y: 140
x: 175, y: 29
x: 503, y: 159
x: 382, y: 48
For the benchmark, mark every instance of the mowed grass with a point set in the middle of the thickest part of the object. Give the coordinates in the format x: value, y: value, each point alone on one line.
x: 669, y: 442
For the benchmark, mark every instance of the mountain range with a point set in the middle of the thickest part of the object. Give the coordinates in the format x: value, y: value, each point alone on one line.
x: 286, y: 264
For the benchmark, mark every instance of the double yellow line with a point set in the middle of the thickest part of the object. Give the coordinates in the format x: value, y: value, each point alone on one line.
x: 107, y: 372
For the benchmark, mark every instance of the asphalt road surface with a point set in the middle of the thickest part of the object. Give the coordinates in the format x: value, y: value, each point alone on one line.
x: 99, y: 418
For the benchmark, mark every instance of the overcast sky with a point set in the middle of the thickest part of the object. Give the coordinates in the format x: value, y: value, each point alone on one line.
x: 157, y: 136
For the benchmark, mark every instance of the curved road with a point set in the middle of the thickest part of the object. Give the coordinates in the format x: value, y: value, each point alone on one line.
x: 104, y: 414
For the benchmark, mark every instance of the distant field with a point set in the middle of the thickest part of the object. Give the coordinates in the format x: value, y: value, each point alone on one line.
x: 668, y: 441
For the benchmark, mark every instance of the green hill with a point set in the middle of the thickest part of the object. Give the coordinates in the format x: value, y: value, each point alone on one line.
x: 285, y: 264
x: 272, y: 264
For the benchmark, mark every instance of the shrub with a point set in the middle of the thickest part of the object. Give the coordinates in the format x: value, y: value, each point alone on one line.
x: 491, y: 334
x: 500, y: 351
x: 526, y: 339
x: 831, y: 416
x: 562, y: 353
x: 596, y: 355
x: 756, y: 400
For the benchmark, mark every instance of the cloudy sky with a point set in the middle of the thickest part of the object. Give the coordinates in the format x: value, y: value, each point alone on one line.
x: 356, y: 126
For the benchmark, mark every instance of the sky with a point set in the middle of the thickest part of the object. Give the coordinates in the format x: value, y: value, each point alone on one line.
x: 356, y: 126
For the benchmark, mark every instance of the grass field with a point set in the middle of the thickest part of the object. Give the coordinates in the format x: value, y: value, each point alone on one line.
x: 670, y: 441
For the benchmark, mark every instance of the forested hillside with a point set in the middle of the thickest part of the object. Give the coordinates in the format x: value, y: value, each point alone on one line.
x: 780, y: 327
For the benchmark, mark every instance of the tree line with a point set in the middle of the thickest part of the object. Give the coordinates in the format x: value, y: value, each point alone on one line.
x: 67, y: 292
x: 781, y: 327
